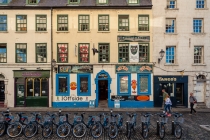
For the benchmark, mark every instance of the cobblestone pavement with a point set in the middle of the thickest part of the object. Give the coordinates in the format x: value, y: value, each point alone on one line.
x: 191, y: 129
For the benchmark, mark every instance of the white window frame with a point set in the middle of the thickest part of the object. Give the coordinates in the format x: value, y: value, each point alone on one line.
x: 201, y: 56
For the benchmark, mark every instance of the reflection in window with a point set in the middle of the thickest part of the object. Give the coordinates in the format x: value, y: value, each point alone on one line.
x: 44, y: 87
x: 30, y: 89
x: 169, y: 88
x: 62, y: 84
x: 83, y: 84
x: 124, y: 84
x: 37, y: 87
x: 143, y: 84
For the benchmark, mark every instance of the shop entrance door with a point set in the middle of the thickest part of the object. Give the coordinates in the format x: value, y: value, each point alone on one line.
x: 103, y: 93
x: 179, y: 94
x: 200, y: 91
x: 2, y: 95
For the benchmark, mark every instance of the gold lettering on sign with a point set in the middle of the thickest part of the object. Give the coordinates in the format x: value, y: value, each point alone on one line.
x: 145, y: 68
x: 166, y: 79
x: 122, y: 68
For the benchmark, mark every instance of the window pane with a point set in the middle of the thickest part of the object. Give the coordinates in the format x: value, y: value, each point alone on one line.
x: 63, y: 53
x: 83, y: 84
x: 133, y: 1
x: 171, y: 4
x: 21, y: 21
x: 3, y: 23
x: 84, y: 53
x: 143, y: 23
x: 197, y: 25
x: 124, y: 84
x: 198, y: 54
x: 3, y: 53
x: 62, y: 23
x: 143, y: 84
x: 200, y: 3
x: 62, y: 84
x: 84, y: 23
x: 21, y: 54
x: 123, y: 23
x: 170, y: 25
x: 30, y: 90
x: 123, y: 50
x: 143, y: 52
x: 103, y: 23
x: 41, y: 52
x: 44, y: 87
x: 36, y: 87
x: 41, y: 23
x: 103, y: 53
x: 170, y: 55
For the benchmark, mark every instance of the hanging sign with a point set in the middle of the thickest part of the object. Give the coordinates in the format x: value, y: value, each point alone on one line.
x: 134, y: 52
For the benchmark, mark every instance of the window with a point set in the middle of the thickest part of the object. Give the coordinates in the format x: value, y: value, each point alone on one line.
x: 102, y: 1
x: 124, y: 81
x: 62, y: 22
x: 4, y: 1
x: 170, y: 55
x: 170, y: 25
x: 41, y: 23
x: 21, y: 53
x: 143, y: 52
x: 3, y: 23
x: 171, y: 4
x: 33, y: 1
x: 143, y: 23
x: 3, y: 53
x: 62, y: 53
x: 133, y: 1
x: 123, y: 23
x: 198, y: 54
x: 198, y: 25
x: 74, y: 1
x: 200, y: 3
x: 103, y: 23
x: 21, y: 21
x: 41, y: 52
x: 84, y: 53
x: 62, y: 85
x: 103, y: 53
x: 123, y: 49
x: 84, y: 85
x: 84, y: 23
x: 144, y: 84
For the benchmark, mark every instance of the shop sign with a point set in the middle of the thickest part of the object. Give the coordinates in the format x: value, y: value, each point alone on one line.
x: 166, y: 79
x: 148, y: 68
x: 133, y: 68
x: 102, y: 75
x: 31, y: 73
x: 76, y: 69
x: 130, y: 98
x: 133, y: 85
x: 73, y: 85
x: 134, y: 53
x: 142, y: 98
x: 69, y: 98
x: 65, y: 69
x: 133, y: 38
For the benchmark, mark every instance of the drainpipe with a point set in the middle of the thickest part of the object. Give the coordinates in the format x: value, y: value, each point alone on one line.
x: 51, y: 57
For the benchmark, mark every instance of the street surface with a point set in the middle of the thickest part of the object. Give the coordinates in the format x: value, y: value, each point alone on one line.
x: 191, y: 129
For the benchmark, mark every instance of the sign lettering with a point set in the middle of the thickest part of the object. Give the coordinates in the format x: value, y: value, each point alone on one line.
x: 166, y: 79
x: 122, y: 68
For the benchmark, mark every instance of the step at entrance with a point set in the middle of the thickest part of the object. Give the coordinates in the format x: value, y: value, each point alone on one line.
x: 201, y: 105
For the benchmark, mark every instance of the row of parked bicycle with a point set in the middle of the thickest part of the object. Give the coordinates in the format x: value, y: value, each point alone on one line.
x: 111, y: 123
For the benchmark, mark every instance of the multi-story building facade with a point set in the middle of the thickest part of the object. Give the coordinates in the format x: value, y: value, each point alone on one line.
x: 25, y: 53
x: 181, y: 30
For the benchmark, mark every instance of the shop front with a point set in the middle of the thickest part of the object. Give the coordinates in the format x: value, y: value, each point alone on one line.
x: 31, y: 88
x: 175, y: 86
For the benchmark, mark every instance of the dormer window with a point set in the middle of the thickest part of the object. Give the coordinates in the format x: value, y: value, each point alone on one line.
x: 73, y: 1
x: 133, y: 1
x: 32, y: 2
x: 4, y: 1
x: 102, y: 1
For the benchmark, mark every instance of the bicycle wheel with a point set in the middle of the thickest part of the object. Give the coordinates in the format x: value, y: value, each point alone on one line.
x: 178, y: 131
x: 14, y: 130
x: 2, y: 128
x: 79, y: 130
x: 30, y: 130
x: 63, y: 130
x: 145, y: 130
x: 113, y: 131
x: 47, y: 130
x: 96, y: 130
x: 162, y: 131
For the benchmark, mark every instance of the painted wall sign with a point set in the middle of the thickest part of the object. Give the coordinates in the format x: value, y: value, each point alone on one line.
x: 130, y: 98
x: 73, y: 85
x: 133, y: 68
x: 65, y: 69
x: 76, y: 69
x: 134, y: 53
x: 31, y: 73
x: 142, y: 98
x: 69, y: 98
x: 102, y: 75
x: 133, y: 38
x: 133, y: 85
x: 166, y: 79
x: 145, y: 68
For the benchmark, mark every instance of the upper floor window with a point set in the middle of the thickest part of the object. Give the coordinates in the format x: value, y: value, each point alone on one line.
x: 74, y: 1
x: 3, y: 23
x: 198, y: 25
x: 33, y: 1
x: 143, y: 23
x: 41, y: 52
x: 171, y: 4
x: 144, y: 52
x: 123, y: 21
x: 62, y: 22
x: 200, y: 3
x: 170, y: 25
x: 3, y: 53
x: 41, y: 23
x: 170, y: 55
x: 102, y: 1
x: 198, y: 54
x: 84, y: 53
x: 21, y: 21
x: 133, y: 1
x: 84, y: 23
x: 4, y: 1
x: 103, y: 53
x: 21, y: 53
x: 62, y: 53
x: 123, y: 50
x: 103, y: 23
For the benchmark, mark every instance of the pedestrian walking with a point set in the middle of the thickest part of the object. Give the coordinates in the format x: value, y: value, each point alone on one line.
x: 164, y: 96
x: 168, y: 104
x: 192, y: 101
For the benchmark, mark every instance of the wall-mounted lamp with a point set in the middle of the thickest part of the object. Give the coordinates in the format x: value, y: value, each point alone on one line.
x: 94, y: 50
x: 23, y: 68
x: 162, y: 53
x: 53, y: 63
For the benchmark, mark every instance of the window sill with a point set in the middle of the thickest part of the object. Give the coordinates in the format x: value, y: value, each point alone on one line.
x: 201, y: 8
x: 171, y: 9
x: 170, y: 33
x: 32, y: 4
x: 3, y: 31
x: 62, y: 31
x: 41, y: 32
x: 143, y: 31
x: 123, y: 31
x: 198, y: 64
x: 21, y: 32
x: 103, y: 31
x: 83, y: 32
x: 198, y: 33
x: 171, y: 64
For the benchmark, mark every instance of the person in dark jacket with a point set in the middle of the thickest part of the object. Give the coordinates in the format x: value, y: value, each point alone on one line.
x: 192, y: 101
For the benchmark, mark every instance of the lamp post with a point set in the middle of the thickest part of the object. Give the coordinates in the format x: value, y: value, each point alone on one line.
x: 5, y: 92
x: 53, y: 64
x: 161, y: 53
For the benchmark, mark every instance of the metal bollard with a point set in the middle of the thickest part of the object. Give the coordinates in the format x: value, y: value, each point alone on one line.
x: 172, y: 127
x: 157, y: 127
x: 127, y: 123
x: 142, y: 124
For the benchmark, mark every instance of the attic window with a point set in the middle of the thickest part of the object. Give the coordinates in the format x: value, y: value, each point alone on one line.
x: 4, y: 1
x: 33, y: 1
x: 102, y: 1
x: 133, y: 1
x: 74, y: 1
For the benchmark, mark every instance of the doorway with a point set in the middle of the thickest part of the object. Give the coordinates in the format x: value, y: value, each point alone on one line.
x: 200, y: 91
x: 103, y: 93
x: 2, y: 95
x: 180, y: 94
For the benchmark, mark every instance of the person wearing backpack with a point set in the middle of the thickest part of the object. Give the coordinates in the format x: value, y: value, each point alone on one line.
x: 192, y: 101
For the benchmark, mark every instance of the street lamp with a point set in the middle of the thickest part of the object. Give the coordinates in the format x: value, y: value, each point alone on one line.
x: 162, y: 53
x: 53, y: 63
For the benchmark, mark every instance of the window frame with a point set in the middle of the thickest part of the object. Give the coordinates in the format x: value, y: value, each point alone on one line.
x: 64, y: 53
x: 28, y: 2
x: 174, y: 29
x: 108, y: 23
x: 133, y: 3
x: 123, y: 26
x: 21, y: 23
x: 6, y: 52
x: 57, y: 84
x: 123, y: 53
x: 197, y: 5
x: 202, y: 54
x: 88, y: 53
x: 102, y: 3
x: 36, y: 52
x: 7, y: 2
x: 144, y: 24
x: 62, y: 15
x: 149, y: 84
x: 88, y: 23
x: 16, y: 44
x: 118, y: 84
x: 40, y: 23
x: 74, y: 3
x: 202, y: 25
x: 88, y: 75
x: 99, y: 53
x: 168, y: 4
x: 147, y: 54
x: 171, y: 55
x: 4, y: 23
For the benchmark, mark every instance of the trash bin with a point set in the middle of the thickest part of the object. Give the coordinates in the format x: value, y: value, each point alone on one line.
x: 116, y: 104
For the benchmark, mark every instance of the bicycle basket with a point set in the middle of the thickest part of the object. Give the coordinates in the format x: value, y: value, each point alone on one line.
x: 31, y: 118
x: 2, y: 118
x: 180, y: 120
x: 144, y: 119
x: 163, y: 119
x: 78, y: 118
x: 47, y: 119
x: 62, y: 118
x: 96, y: 119
x: 111, y: 119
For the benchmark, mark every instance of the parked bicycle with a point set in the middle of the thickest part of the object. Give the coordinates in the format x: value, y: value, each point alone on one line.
x: 145, y: 119
x: 176, y: 127
x: 161, y: 124
x: 5, y: 120
x: 97, y: 128
x: 130, y: 124
x: 113, y: 129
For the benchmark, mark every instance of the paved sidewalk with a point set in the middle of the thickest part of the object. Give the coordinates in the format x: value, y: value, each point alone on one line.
x: 41, y: 109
